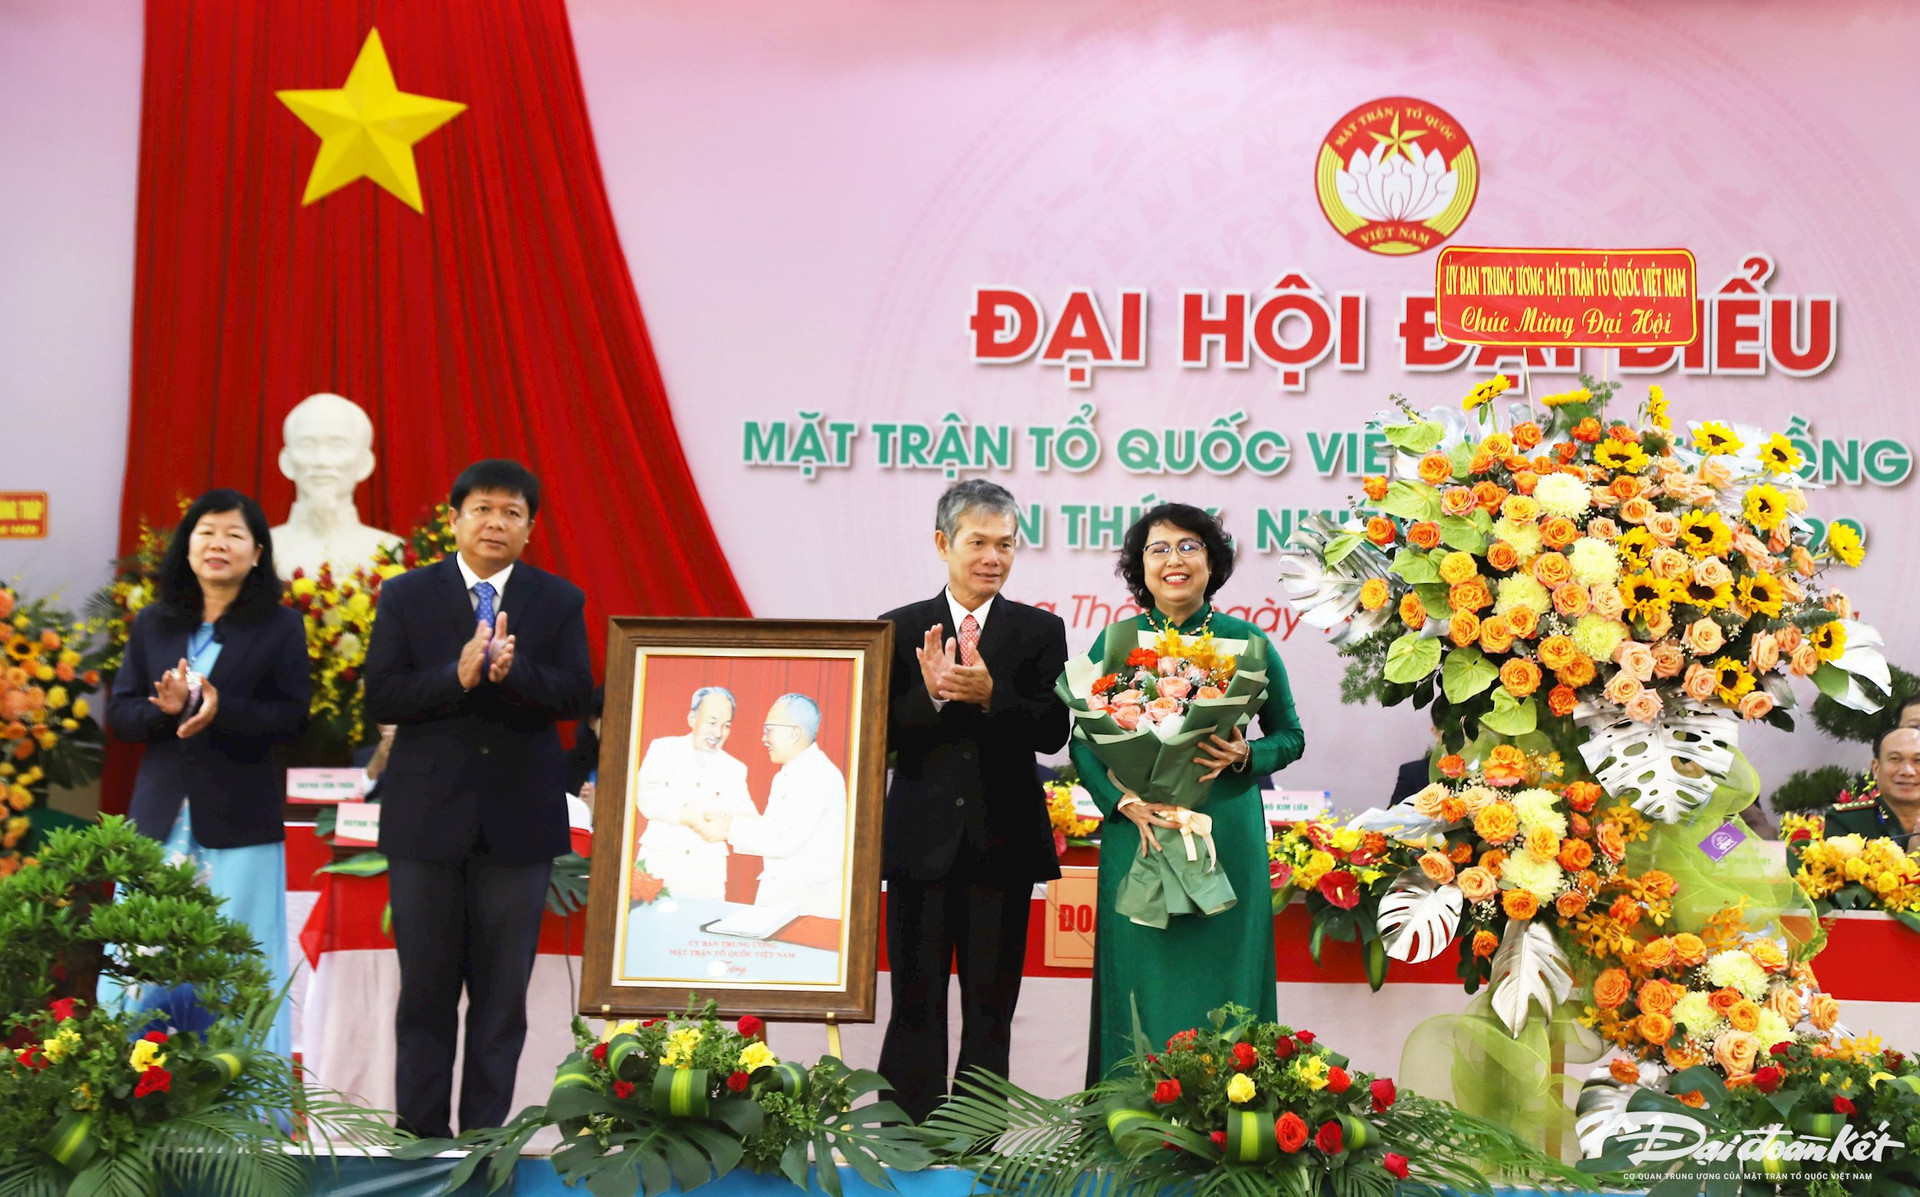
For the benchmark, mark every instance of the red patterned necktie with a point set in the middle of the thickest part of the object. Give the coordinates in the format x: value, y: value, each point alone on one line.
x: 969, y: 641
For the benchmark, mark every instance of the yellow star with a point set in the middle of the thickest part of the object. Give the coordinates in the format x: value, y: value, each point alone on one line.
x: 1398, y: 142
x: 367, y: 128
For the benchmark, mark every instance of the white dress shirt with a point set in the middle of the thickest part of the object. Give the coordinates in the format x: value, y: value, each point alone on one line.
x: 498, y: 580
x: 802, y: 837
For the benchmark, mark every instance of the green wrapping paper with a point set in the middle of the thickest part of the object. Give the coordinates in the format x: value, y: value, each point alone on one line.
x: 1184, y: 877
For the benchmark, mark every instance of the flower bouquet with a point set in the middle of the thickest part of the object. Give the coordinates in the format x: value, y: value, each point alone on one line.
x: 647, y: 1105
x: 1070, y: 830
x: 1343, y: 872
x: 48, y: 733
x: 1853, y: 872
x: 1236, y: 1106
x: 1142, y: 707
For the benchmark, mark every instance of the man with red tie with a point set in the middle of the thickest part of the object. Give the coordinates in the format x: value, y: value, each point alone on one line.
x: 966, y: 834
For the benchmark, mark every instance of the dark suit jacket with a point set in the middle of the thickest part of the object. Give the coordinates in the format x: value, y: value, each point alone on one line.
x: 1411, y: 779
x: 965, y: 773
x: 232, y: 771
x: 486, y: 762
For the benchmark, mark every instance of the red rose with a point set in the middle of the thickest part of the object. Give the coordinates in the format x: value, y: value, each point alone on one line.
x: 1338, y: 1081
x: 1893, y: 1059
x: 1329, y: 1139
x: 1181, y: 1039
x: 31, y: 1057
x: 1396, y: 1164
x: 1285, y: 1048
x: 599, y: 1053
x: 1383, y: 1094
x: 1304, y: 1036
x: 1768, y: 1079
x: 623, y: 1089
x: 1340, y: 889
x: 750, y: 1026
x: 1167, y: 1092
x: 1290, y: 1132
x: 1219, y: 1140
x: 651, y: 1022
x: 62, y: 1009
x: 153, y: 1080
x: 1245, y: 1056
x: 1842, y: 1106
x: 155, y: 1036
x: 1782, y: 1048
x: 737, y: 1083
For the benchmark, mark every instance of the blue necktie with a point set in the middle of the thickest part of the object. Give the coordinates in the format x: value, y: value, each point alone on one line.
x: 484, y: 592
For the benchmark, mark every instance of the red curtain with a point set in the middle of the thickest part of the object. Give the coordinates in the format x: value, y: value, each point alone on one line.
x: 501, y: 322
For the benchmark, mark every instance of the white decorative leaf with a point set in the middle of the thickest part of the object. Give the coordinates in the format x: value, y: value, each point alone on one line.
x: 1418, y: 918
x: 1863, y: 657
x: 1602, y: 1111
x: 1528, y: 969
x: 1666, y: 768
x: 1328, y: 596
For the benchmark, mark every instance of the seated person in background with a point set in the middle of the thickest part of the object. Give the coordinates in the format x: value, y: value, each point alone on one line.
x: 1415, y: 774
x: 1893, y: 810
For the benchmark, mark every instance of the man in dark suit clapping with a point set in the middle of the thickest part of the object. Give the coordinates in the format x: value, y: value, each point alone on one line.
x: 476, y: 658
x: 966, y: 832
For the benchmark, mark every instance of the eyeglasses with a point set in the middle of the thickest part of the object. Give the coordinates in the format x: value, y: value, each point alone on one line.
x: 1159, y: 550
x: 767, y: 728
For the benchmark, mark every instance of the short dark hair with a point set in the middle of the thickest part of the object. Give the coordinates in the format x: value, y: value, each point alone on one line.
x: 1881, y: 739
x: 1132, y: 568
x: 497, y: 473
x: 181, y: 601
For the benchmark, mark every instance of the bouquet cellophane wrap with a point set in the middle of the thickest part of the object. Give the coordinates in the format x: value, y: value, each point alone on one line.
x: 1157, y: 763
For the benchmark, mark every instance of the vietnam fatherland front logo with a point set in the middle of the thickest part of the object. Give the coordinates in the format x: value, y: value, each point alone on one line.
x: 1397, y: 176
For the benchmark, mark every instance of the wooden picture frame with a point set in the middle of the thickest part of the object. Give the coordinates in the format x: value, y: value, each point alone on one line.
x: 719, y: 851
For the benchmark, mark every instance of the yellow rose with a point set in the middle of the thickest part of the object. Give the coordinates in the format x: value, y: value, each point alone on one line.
x: 1240, y: 1089
x: 680, y: 1047
x: 757, y: 1055
x: 146, y: 1054
x: 619, y: 1028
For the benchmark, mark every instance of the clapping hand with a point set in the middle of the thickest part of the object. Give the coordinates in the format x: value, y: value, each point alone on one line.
x: 501, y: 652
x: 170, y: 692
x: 968, y: 683
x: 209, y: 704
x: 1222, y: 755
x: 473, y: 655
x: 935, y: 660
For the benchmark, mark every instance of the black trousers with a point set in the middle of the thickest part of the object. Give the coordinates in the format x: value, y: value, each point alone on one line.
x: 931, y: 927
x: 472, y: 923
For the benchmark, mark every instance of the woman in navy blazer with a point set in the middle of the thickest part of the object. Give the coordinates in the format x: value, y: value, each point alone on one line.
x: 214, y: 683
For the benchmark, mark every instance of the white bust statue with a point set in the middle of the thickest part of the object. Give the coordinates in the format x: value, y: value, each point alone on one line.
x: 328, y: 452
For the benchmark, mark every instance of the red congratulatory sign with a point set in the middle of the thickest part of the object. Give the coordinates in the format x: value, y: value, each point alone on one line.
x: 1555, y: 297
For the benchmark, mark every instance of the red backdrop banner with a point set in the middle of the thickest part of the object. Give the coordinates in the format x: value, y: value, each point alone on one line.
x: 501, y: 321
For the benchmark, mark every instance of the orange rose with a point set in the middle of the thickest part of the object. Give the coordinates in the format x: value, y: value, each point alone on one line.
x: 1496, y: 634
x: 1692, y: 1097
x: 1456, y: 500
x: 1587, y: 431
x: 1523, y: 622
x: 1699, y: 683
x: 1381, y: 530
x: 1622, y: 688
x: 1788, y: 639
x: 1526, y: 435
x: 1492, y: 859
x: 1436, y: 468
x: 1437, y: 867
x: 1603, y: 529
x: 1413, y: 612
x: 1558, y: 532
x: 1625, y: 911
x: 1551, y: 570
x: 1764, y: 653
x: 1542, y: 843
x: 1736, y: 1051
x: 1824, y: 1010
x: 1654, y: 1028
x: 1658, y: 997
x: 1583, y: 796
x: 1768, y: 955
x: 1665, y: 526
x: 1668, y: 659
x: 1612, y: 988
x: 1485, y: 943
x: 1489, y: 496
x: 1656, y: 953
x: 1520, y: 676
x: 1572, y: 902
x: 1464, y: 628
x: 1579, y: 672
x: 1505, y: 766
x: 1689, y: 949
x: 1571, y: 600
x: 1785, y: 1001
x: 1452, y: 810
x: 1452, y: 765
x: 1561, y: 700
x: 1557, y: 652
x: 1470, y: 595
x: 1624, y: 1071
x: 1457, y: 567
x: 1575, y: 855
x: 1376, y: 487
x: 1626, y: 486
x: 1481, y: 463
x: 1566, y: 451
x: 1683, y: 1055
x: 1461, y: 854
x: 1756, y: 704
x: 1744, y: 1015
x: 1520, y: 904
x: 1499, y: 444
x: 1612, y: 844
x: 1722, y: 1000
x: 1502, y: 556
x: 1607, y: 601
x: 1636, y: 510
x: 1423, y: 535
x: 1496, y: 823
x: 1476, y: 884
x: 1374, y: 593
x: 1524, y: 480
x: 1805, y: 660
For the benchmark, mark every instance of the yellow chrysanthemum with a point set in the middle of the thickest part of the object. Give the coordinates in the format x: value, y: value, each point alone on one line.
x: 1761, y: 593
x: 1714, y: 437
x: 1829, y: 640
x: 1731, y: 681
x: 1705, y: 534
x: 1779, y: 456
x: 1766, y: 507
x: 1623, y: 457
x: 1845, y: 544
x: 1485, y: 392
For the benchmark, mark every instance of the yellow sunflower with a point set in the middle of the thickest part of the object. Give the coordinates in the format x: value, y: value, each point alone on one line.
x: 1844, y: 543
x: 1577, y: 395
x: 1705, y: 534
x: 1829, y: 640
x: 1731, y: 680
x: 1705, y: 597
x: 1636, y: 548
x: 1623, y: 457
x: 1643, y: 594
x: 1761, y: 594
x: 1779, y: 456
x: 1715, y: 437
x: 1766, y: 507
x: 1657, y: 409
x: 1485, y: 392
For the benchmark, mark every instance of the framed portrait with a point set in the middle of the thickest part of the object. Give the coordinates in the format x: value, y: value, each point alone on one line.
x: 737, y: 814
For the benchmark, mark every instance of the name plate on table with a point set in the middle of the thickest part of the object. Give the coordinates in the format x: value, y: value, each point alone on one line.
x: 1295, y: 806
x: 323, y: 786
x: 1071, y: 905
x: 357, y: 825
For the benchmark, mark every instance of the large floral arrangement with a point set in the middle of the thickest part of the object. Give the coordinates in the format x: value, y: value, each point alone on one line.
x: 99, y: 1100
x: 1235, y: 1106
x: 650, y: 1104
x: 48, y: 732
x: 1343, y: 873
x: 1853, y: 872
x: 1070, y: 830
x: 1555, y: 567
